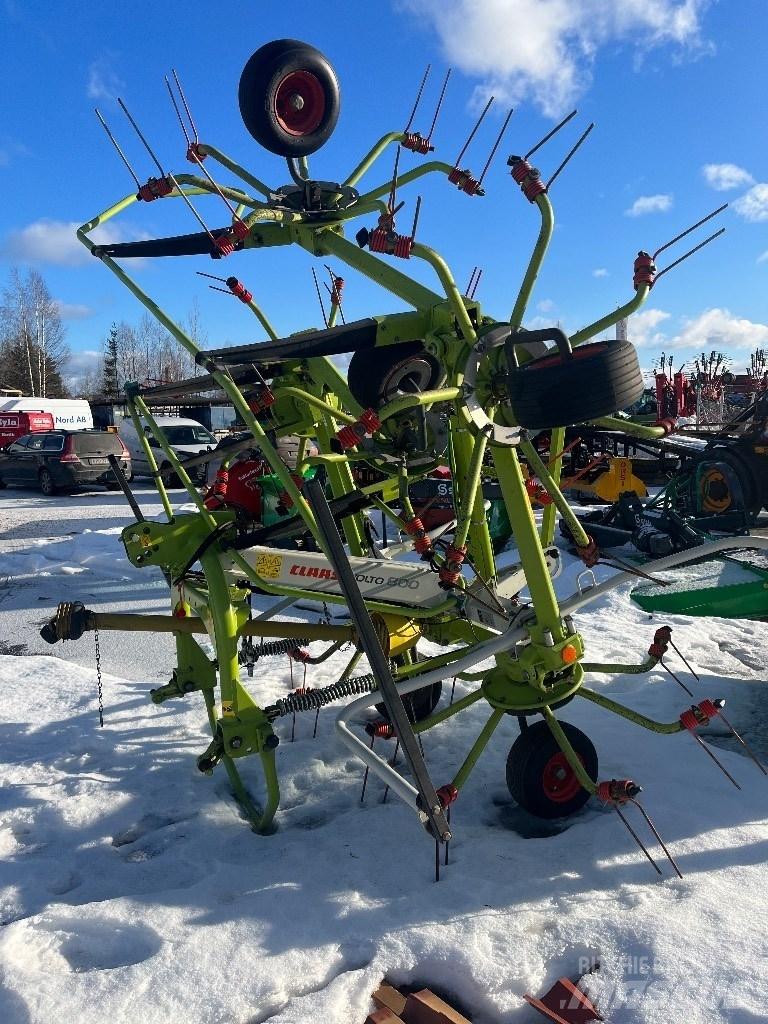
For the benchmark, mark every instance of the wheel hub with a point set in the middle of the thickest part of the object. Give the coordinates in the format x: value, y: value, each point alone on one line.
x: 559, y: 780
x: 300, y: 103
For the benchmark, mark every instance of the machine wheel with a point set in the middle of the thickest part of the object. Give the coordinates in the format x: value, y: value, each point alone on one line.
x: 47, y: 486
x: 289, y: 98
x: 421, y: 703
x: 418, y: 705
x: 558, y: 391
x: 539, y: 776
x: 378, y: 375
x: 744, y: 473
x: 168, y: 477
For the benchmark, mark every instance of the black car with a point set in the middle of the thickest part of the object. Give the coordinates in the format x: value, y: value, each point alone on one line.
x: 63, y: 459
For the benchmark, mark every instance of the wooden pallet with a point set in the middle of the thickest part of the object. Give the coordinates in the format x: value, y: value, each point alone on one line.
x: 422, y: 1007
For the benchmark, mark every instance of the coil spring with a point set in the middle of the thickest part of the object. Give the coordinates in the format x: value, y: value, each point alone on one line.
x: 381, y: 730
x: 310, y: 700
x: 644, y: 270
x: 273, y: 648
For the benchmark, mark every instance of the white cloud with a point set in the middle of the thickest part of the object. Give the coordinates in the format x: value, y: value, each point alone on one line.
x: 56, y: 242
x: 599, y: 272
x: 753, y: 205
x: 649, y: 204
x: 84, y: 360
x: 641, y: 328
x: 723, y: 177
x: 545, y: 49
x: 80, y: 365
x: 103, y: 81
x: 719, y: 329
x: 545, y: 306
x: 72, y: 310
x: 763, y: 257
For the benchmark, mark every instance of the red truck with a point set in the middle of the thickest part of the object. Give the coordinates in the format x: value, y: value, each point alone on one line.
x: 14, y: 425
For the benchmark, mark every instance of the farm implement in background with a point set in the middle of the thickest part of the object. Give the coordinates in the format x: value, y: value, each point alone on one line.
x: 441, y: 385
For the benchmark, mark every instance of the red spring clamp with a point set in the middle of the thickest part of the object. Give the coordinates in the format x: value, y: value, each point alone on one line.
x: 238, y: 289
x: 378, y: 239
x: 701, y: 714
x: 416, y: 143
x: 660, y: 645
x: 229, y: 240
x: 261, y: 399
x: 403, y: 247
x: 464, y: 181
x: 240, y: 230
x: 450, y: 571
x: 644, y: 270
x: 352, y: 434
x: 336, y: 290
x: 225, y: 244
x: 299, y: 654
x: 155, y: 188
x: 617, y: 791
x: 528, y: 178
x: 537, y: 492
x: 381, y: 729
x: 590, y: 555
x: 421, y: 542
x: 217, y: 495
x: 447, y: 794
x: 195, y: 155
x: 383, y: 239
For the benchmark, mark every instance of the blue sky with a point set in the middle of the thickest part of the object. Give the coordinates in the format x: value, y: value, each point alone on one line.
x: 676, y: 87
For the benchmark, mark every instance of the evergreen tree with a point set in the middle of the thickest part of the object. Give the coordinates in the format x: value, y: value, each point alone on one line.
x: 109, y: 379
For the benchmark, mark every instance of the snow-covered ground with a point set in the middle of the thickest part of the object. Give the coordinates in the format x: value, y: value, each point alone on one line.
x: 131, y: 889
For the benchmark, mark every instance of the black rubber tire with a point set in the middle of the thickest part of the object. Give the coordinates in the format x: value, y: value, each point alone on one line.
x: 556, y: 391
x: 421, y: 703
x: 47, y: 486
x: 746, y: 475
x: 418, y: 705
x: 113, y: 485
x: 2, y: 484
x: 168, y: 477
x: 262, y: 96
x: 378, y: 375
x: 527, y: 770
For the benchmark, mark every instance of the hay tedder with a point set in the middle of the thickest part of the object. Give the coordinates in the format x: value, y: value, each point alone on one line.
x: 440, y: 388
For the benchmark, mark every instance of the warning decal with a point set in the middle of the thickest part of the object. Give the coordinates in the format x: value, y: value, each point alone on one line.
x: 268, y: 565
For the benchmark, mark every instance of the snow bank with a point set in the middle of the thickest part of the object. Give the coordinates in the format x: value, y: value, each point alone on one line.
x: 130, y: 887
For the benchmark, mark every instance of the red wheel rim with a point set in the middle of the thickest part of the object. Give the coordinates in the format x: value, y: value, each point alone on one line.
x: 300, y: 103
x: 559, y: 781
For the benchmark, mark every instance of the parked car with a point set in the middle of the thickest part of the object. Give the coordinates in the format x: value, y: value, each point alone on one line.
x: 63, y: 459
x: 186, y: 437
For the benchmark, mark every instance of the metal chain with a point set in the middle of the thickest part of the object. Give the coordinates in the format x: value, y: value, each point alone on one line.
x: 98, y: 678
